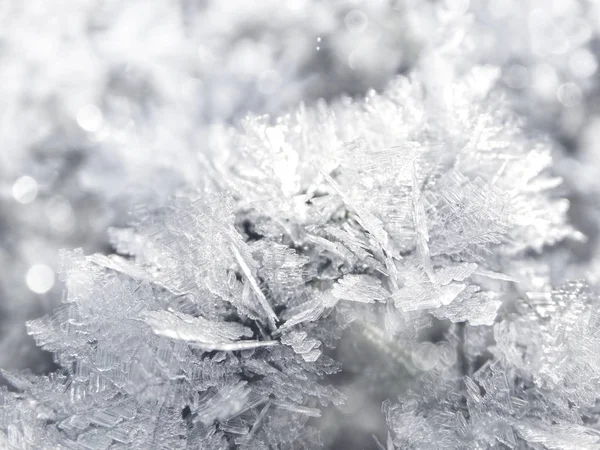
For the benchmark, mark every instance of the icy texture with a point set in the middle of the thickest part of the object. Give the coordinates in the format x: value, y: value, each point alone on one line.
x: 403, y: 220
x: 556, y: 342
x: 104, y: 101
x: 540, y: 392
x: 360, y: 288
x: 125, y: 340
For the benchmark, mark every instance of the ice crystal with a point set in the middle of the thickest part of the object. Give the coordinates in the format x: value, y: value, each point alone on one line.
x: 106, y: 98
x: 406, y: 222
x: 540, y: 392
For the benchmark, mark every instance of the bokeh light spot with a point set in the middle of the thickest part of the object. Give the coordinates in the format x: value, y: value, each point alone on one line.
x: 40, y: 278
x: 569, y: 94
x: 356, y: 21
x: 25, y: 189
x: 90, y: 118
x: 583, y: 63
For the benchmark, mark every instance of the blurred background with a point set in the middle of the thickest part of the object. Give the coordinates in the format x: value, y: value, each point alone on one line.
x: 104, y: 103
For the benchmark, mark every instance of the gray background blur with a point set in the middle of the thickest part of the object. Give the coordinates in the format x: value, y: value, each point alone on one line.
x: 103, y: 102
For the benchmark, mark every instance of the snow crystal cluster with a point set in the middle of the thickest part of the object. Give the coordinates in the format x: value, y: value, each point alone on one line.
x: 98, y: 97
x: 275, y: 280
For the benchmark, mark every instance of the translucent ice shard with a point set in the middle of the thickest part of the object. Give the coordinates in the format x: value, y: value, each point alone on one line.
x: 271, y: 316
x: 420, y: 224
x: 202, y: 332
x: 427, y: 296
x: 471, y: 305
x: 457, y: 272
x: 306, y: 347
x: 229, y: 401
x: 360, y: 288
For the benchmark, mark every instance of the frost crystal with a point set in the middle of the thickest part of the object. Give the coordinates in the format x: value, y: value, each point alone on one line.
x: 406, y: 223
x: 360, y: 288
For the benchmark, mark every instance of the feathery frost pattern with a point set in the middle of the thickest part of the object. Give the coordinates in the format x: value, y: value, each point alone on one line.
x: 218, y: 322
